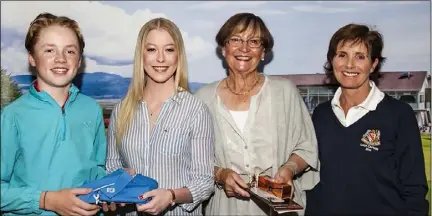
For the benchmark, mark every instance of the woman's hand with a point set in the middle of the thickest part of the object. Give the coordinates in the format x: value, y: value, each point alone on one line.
x: 285, y: 175
x: 233, y: 184
x: 161, y: 199
x: 130, y: 171
x: 66, y: 202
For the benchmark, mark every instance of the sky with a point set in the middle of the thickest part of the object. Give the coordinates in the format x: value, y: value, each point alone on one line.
x: 302, y: 31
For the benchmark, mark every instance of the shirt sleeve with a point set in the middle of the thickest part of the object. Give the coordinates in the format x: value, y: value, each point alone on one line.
x: 304, y: 136
x: 201, y: 185
x: 411, y: 165
x: 17, y: 200
x: 113, y: 161
x: 100, y: 146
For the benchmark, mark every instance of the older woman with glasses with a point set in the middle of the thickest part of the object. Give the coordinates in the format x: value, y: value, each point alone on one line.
x: 261, y: 123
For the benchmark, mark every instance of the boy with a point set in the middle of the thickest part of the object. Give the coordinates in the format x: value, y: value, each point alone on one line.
x: 52, y: 138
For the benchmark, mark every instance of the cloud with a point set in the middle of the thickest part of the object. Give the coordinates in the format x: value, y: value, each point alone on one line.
x: 270, y: 12
x: 405, y: 2
x: 252, y: 6
x: 203, y: 24
x: 14, y: 60
x: 403, y: 46
x: 110, y: 33
x: 321, y: 9
x: 105, y: 61
x: 344, y: 2
x: 122, y: 70
x: 217, y: 5
x: 195, y: 46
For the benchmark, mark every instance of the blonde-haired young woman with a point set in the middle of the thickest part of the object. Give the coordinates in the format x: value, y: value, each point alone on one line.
x: 161, y: 130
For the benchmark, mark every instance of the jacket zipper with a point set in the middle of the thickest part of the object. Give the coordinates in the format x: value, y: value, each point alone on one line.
x: 64, y: 123
x: 64, y: 117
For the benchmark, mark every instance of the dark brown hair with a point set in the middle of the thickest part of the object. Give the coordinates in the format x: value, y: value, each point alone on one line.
x: 357, y: 33
x: 241, y: 22
x: 45, y: 20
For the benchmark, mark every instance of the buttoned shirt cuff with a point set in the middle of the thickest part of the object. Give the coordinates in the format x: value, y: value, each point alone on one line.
x: 196, y: 198
x: 199, y: 193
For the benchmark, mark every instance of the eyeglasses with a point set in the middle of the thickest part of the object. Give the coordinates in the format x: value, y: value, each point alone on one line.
x: 238, y: 42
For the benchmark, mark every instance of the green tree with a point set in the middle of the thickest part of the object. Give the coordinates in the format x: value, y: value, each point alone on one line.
x: 9, y: 89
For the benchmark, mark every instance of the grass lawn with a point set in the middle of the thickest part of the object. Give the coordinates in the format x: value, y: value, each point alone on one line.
x: 426, y: 142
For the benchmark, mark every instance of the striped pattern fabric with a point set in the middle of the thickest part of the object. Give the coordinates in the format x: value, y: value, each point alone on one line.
x: 178, y: 152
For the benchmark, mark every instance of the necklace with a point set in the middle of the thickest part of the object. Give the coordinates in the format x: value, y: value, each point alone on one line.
x: 244, y: 93
x: 151, y: 112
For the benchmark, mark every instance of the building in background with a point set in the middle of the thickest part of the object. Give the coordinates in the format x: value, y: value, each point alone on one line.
x: 412, y: 87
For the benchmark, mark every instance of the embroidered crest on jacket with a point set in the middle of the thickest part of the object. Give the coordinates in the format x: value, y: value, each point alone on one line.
x: 371, y: 140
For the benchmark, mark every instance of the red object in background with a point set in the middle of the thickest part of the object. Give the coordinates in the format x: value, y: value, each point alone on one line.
x: 106, y: 122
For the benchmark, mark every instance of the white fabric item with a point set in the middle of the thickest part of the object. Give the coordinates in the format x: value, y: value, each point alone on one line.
x: 356, y: 112
x: 240, y: 118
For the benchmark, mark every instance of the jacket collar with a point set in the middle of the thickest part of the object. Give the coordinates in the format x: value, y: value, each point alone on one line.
x: 44, y: 96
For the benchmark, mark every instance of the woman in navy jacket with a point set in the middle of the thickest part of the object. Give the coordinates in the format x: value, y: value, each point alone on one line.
x: 369, y: 143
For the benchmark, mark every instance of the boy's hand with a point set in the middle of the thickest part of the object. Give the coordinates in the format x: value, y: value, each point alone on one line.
x: 66, y: 202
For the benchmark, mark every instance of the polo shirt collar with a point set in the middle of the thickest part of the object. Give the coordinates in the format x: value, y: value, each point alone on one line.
x: 370, y: 103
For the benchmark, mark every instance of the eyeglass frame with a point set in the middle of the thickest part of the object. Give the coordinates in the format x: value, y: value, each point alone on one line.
x: 229, y: 41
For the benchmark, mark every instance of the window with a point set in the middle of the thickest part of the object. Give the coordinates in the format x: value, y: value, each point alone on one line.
x: 422, y: 98
x: 313, y: 101
x: 303, y: 90
x: 323, y: 99
x: 325, y: 91
x: 314, y: 90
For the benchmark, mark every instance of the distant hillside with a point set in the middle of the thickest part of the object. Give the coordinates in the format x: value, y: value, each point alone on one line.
x: 194, y: 86
x: 98, y: 85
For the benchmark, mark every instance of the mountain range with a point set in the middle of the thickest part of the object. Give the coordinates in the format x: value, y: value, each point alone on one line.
x: 99, y: 85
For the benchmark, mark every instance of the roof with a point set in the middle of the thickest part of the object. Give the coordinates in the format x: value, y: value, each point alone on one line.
x: 389, y: 81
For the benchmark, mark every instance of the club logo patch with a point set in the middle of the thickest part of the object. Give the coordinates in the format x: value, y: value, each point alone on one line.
x: 371, y: 140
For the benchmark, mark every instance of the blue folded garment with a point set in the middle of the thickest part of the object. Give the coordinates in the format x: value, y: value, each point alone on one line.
x: 119, y: 187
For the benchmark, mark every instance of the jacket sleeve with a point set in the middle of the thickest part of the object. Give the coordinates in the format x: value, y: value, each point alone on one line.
x: 18, y: 200
x: 113, y: 161
x: 201, y: 185
x: 100, y: 146
x: 410, y: 163
x: 303, y: 137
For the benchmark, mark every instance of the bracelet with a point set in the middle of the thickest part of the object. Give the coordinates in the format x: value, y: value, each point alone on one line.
x: 292, y: 165
x: 44, y: 196
x: 218, y: 183
x: 173, y: 196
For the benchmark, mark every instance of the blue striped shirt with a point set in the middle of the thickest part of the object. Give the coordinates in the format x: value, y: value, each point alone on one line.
x: 178, y: 152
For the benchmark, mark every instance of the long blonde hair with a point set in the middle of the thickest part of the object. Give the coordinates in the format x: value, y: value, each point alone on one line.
x: 129, y: 103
